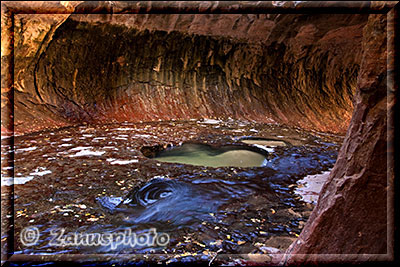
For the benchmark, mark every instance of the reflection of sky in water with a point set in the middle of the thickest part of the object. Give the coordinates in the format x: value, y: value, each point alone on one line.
x: 20, y: 180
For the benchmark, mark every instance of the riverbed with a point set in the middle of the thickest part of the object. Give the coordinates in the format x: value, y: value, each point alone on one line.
x: 95, y: 179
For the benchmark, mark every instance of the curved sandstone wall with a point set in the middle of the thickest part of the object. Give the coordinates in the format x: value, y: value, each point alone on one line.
x: 294, y: 69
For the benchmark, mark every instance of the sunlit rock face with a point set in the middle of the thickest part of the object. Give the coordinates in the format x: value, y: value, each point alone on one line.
x: 293, y: 69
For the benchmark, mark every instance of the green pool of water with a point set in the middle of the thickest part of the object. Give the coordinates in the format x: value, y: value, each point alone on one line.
x: 203, y: 155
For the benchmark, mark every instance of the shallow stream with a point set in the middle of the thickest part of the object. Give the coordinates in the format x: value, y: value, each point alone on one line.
x: 236, y: 197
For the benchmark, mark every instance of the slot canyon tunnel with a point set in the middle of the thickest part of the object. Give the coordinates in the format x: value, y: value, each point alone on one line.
x: 87, y: 65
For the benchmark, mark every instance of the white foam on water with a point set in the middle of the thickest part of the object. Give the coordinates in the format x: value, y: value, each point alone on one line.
x: 211, y: 121
x: 88, y: 153
x: 8, y: 168
x: 253, y: 130
x: 85, y: 151
x: 310, y: 186
x: 268, y: 149
x: 124, y: 162
x: 66, y: 139
x: 6, y: 181
x: 121, y: 138
x: 26, y: 149
x: 87, y: 135
x: 40, y: 171
x: 65, y: 145
x: 99, y: 138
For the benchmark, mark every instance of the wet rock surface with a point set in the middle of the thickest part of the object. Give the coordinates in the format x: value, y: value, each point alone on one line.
x: 312, y: 66
x: 97, y: 180
x: 295, y: 69
x: 356, y: 200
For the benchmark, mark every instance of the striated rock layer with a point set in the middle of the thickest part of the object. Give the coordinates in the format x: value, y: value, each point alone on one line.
x: 293, y: 69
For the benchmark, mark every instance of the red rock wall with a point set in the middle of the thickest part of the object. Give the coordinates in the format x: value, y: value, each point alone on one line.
x: 351, y: 216
x: 287, y: 68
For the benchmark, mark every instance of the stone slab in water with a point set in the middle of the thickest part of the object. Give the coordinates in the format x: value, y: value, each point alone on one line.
x: 203, y: 155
